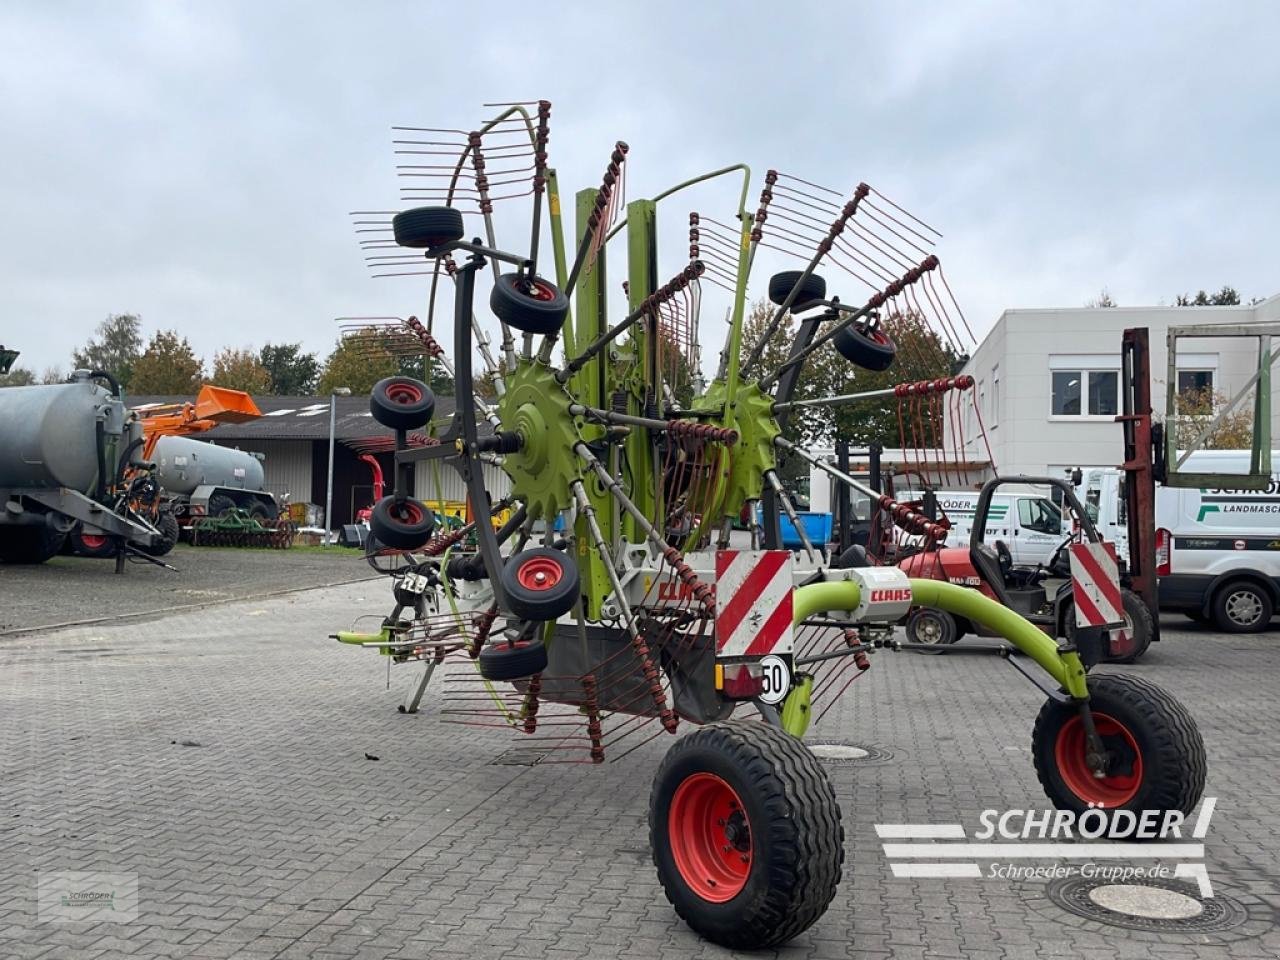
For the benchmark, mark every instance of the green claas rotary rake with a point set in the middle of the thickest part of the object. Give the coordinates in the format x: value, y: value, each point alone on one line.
x: 616, y: 601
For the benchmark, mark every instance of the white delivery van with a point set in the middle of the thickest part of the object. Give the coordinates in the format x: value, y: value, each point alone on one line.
x: 1217, y: 549
x: 1029, y: 523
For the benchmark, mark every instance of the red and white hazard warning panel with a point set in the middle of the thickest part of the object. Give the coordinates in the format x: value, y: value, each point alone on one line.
x: 753, y: 602
x: 1095, y: 585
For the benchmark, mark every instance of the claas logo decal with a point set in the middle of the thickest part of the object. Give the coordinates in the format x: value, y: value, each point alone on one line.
x: 892, y: 595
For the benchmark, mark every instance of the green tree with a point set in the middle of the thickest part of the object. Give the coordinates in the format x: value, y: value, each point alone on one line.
x: 1226, y: 297
x: 358, y: 361
x: 440, y: 382
x: 115, y: 349
x: 1196, y: 410
x: 17, y: 377
x: 167, y: 366
x: 240, y: 370
x: 292, y: 372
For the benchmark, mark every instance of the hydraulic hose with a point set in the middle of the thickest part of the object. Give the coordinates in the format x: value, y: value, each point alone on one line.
x: 103, y: 375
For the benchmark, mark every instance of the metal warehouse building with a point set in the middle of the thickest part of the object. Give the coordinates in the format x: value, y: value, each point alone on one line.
x: 293, y: 437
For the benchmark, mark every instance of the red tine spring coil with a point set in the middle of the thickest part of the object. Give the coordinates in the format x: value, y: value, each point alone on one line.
x: 483, y: 624
x: 594, y: 730
x: 530, y: 707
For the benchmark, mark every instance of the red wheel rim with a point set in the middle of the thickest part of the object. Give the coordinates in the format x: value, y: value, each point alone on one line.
x: 878, y: 337
x: 405, y: 393
x: 92, y: 541
x: 1116, y: 788
x: 540, y: 290
x: 407, y: 512
x: 710, y: 837
x: 539, y: 573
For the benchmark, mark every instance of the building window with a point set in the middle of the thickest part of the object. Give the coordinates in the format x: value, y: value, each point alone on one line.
x: 1078, y: 393
x: 995, y: 396
x: 1195, y: 381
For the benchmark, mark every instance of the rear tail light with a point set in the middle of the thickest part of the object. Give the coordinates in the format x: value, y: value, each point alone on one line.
x: 740, y: 681
x: 1164, y: 545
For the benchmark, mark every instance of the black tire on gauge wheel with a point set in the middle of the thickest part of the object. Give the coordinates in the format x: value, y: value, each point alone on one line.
x: 813, y: 289
x: 427, y: 227
x: 530, y: 304
x: 406, y: 525
x: 540, y: 583
x: 402, y: 403
x: 746, y: 834
x: 872, y: 350
x: 1155, y: 756
x: 507, y: 661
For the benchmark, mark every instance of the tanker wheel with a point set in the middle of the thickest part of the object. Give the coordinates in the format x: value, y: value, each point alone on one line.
x: 30, y: 545
x: 746, y: 834
x: 1155, y: 759
x: 96, y: 545
x: 220, y: 505
x: 169, y: 532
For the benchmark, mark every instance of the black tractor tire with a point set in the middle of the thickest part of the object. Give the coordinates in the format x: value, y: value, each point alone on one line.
x: 1140, y: 627
x: 937, y: 628
x: 530, y: 304
x: 264, y: 511
x: 220, y: 505
x: 34, y: 544
x: 503, y: 661
x: 425, y: 227
x: 1241, y: 606
x: 540, y: 583
x: 761, y: 794
x: 872, y: 350
x: 811, y: 291
x: 405, y: 526
x: 853, y: 558
x: 1157, y: 756
x: 402, y: 403
x: 167, y: 524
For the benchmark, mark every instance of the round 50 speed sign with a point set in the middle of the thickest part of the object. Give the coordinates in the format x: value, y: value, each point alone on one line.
x: 777, y: 678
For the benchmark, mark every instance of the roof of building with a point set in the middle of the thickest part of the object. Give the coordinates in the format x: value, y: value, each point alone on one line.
x: 299, y: 418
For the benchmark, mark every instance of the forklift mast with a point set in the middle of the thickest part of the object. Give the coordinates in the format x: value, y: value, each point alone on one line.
x: 1141, y: 455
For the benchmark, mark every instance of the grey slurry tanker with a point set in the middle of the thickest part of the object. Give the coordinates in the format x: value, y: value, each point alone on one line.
x: 65, y: 450
x: 199, y: 478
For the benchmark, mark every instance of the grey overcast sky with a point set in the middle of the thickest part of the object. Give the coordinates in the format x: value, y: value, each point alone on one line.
x: 195, y: 162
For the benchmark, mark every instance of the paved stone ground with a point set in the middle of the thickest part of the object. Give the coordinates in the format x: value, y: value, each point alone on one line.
x: 75, y: 589
x: 272, y: 835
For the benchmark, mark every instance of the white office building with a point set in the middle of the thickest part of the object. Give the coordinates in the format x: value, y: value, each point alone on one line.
x: 1047, y: 382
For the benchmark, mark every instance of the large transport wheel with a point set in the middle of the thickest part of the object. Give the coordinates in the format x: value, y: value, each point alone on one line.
x: 811, y: 291
x: 405, y: 526
x: 872, y: 350
x: 530, y: 304
x: 1156, y: 759
x: 427, y: 227
x: 1241, y: 606
x: 167, y: 524
x: 34, y: 544
x: 746, y: 834
x: 506, y: 661
x: 934, y: 627
x: 96, y: 545
x: 220, y: 505
x: 1131, y: 641
x: 540, y: 583
x: 402, y: 403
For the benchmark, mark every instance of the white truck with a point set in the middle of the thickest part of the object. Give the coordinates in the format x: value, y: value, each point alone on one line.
x: 1217, y: 549
x: 1029, y: 523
